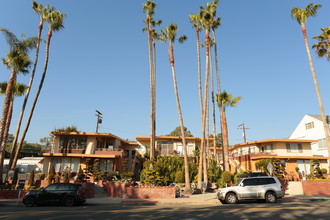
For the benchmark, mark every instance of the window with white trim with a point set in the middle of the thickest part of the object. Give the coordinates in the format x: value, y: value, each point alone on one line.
x: 294, y: 148
x: 309, y: 125
x: 322, y: 144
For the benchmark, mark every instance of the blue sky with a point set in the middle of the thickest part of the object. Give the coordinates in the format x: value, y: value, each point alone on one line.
x: 100, y: 62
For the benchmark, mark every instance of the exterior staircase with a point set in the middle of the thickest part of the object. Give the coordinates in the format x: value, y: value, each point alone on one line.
x: 236, y: 165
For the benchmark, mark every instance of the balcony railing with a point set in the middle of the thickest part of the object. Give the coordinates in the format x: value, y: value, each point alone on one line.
x: 71, y: 151
x: 107, y: 151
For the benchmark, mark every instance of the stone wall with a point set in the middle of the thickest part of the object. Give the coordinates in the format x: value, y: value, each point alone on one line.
x: 312, y: 187
x: 12, y: 194
x: 125, y: 191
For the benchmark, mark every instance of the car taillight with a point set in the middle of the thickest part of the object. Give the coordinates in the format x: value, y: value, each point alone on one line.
x: 78, y: 192
x: 282, y: 188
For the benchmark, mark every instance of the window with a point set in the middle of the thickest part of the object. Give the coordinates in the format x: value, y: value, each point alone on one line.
x: 322, y: 144
x: 294, y: 148
x: 267, y: 148
x: 69, y: 164
x: 266, y: 181
x: 73, y: 142
x: 52, y: 187
x: 165, y: 148
x: 309, y: 125
x: 250, y: 182
x: 179, y: 148
x: 64, y: 187
x: 106, y: 165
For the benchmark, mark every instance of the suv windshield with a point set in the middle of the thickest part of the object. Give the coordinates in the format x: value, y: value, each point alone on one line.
x: 238, y: 182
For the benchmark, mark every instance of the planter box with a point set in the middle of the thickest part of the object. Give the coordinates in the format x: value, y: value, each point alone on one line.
x: 123, y: 190
x: 149, y: 193
x: 12, y: 194
x: 314, y: 187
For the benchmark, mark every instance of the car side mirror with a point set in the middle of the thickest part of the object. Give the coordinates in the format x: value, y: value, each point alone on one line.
x: 241, y: 184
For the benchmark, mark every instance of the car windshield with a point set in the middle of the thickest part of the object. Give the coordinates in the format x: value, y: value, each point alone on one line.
x: 238, y: 182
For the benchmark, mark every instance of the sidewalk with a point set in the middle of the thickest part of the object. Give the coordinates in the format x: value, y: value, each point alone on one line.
x: 199, y: 199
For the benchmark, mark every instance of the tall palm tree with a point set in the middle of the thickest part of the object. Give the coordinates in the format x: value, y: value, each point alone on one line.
x: 322, y: 47
x: 149, y: 9
x: 55, y: 23
x: 213, y: 104
x: 216, y: 23
x: 17, y: 60
x: 196, y: 21
x: 170, y: 35
x: 206, y: 17
x: 18, y: 90
x: 301, y: 16
x: 225, y: 100
x: 42, y: 12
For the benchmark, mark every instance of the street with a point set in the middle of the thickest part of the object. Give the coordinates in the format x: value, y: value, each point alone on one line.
x: 284, y: 209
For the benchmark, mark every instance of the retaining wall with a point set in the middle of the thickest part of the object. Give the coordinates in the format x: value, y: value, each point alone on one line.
x: 124, y: 190
x: 312, y: 187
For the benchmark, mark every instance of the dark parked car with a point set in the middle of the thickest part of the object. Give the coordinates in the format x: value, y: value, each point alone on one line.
x: 68, y: 194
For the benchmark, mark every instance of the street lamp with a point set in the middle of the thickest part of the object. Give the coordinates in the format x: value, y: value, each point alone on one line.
x: 99, y: 120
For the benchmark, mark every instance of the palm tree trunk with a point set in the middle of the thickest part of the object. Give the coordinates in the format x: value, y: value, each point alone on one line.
x: 152, y: 124
x: 154, y: 96
x: 325, y: 124
x: 225, y: 140
x: 184, y: 144
x: 213, y: 112
x: 218, y: 85
x: 27, y: 93
x: 199, y: 72
x: 200, y: 168
x: 19, y: 147
x: 6, y: 132
x: 4, y: 116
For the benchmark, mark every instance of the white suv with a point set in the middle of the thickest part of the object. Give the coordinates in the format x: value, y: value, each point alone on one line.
x: 266, y: 188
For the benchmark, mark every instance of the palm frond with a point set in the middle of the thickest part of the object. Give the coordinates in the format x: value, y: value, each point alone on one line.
x: 10, y: 38
x: 182, y: 38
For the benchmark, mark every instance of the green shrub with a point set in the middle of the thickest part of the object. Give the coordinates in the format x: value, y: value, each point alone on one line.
x: 50, y: 179
x: 235, y: 178
x: 41, y: 176
x: 324, y: 171
x: 80, y: 175
x: 31, y: 179
x: 66, y: 177
x: 179, y: 178
x: 57, y: 177
x: 220, y: 183
x: 226, y: 177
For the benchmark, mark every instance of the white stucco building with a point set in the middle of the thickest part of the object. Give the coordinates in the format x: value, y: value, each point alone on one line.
x: 311, y: 127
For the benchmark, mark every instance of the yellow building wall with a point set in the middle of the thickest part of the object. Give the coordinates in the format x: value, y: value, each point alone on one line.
x: 280, y: 150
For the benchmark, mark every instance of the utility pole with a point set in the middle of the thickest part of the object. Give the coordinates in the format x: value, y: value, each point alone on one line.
x: 99, y: 120
x: 242, y: 126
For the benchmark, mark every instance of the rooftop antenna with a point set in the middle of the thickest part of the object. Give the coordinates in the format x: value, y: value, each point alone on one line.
x: 99, y: 120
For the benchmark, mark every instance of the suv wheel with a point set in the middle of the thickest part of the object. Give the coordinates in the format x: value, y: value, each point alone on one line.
x: 231, y: 198
x: 270, y: 197
x: 29, y: 202
x: 69, y: 201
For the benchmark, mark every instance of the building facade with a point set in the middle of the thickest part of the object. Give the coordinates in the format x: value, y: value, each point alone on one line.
x: 70, y: 150
x: 311, y: 127
x: 293, y: 153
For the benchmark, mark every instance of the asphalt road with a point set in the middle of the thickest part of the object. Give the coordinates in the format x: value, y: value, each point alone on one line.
x: 248, y: 210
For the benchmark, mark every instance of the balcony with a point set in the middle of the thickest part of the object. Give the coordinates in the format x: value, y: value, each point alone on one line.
x: 106, y: 151
x: 71, y: 151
